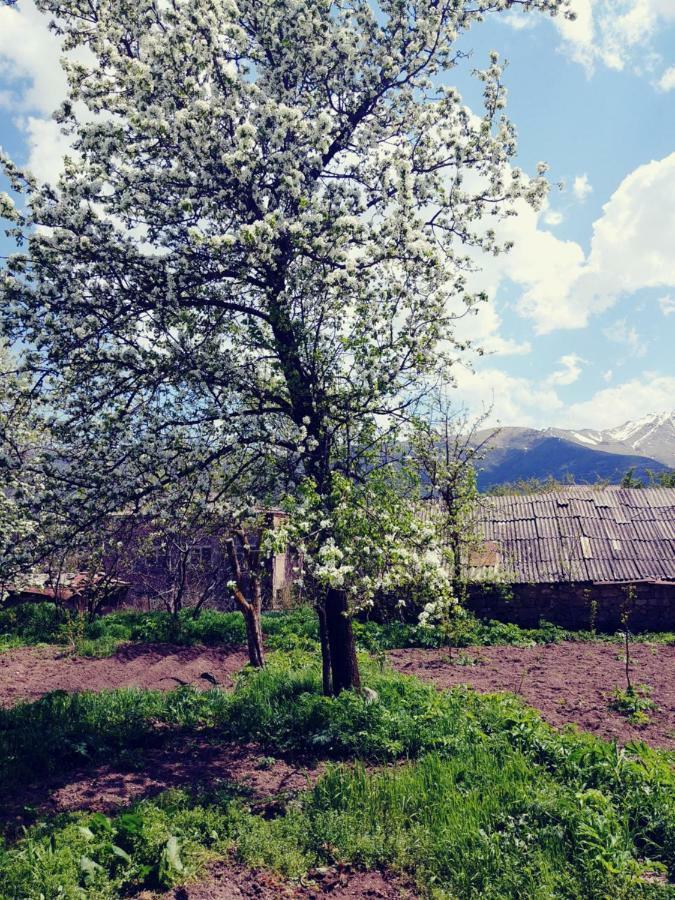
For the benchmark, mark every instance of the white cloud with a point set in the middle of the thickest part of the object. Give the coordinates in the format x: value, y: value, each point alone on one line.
x: 552, y: 217
x: 46, y: 148
x: 514, y: 400
x: 482, y: 328
x: 519, y: 21
x: 651, y: 392
x: 34, y: 84
x: 667, y: 81
x: 29, y: 60
x: 579, y: 36
x: 667, y: 305
x: 571, y: 366
x: 615, y: 33
x: 620, y: 332
x: 544, y: 266
x: 524, y: 401
x: 582, y: 188
x: 607, y: 376
x: 631, y: 249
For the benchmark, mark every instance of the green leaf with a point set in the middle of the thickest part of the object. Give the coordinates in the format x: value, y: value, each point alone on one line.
x: 170, y: 863
x: 89, y: 869
x: 120, y: 853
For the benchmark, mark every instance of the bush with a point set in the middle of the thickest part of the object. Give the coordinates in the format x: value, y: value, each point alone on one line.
x: 32, y: 623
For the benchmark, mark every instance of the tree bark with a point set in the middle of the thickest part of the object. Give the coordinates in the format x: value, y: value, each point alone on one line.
x: 325, y: 649
x: 343, y: 663
x: 256, y: 656
x: 250, y: 609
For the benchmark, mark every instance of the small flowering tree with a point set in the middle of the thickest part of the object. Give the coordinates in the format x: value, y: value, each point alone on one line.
x: 446, y: 447
x: 372, y: 547
x: 262, y: 233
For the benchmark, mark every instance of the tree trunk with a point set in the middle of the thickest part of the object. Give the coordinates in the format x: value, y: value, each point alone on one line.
x: 325, y: 649
x: 343, y: 663
x: 250, y: 609
x: 254, y: 638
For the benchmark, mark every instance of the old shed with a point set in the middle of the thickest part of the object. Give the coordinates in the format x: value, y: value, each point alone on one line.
x: 579, y: 556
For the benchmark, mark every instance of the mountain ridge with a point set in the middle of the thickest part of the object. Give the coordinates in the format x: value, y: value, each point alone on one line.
x: 516, y: 453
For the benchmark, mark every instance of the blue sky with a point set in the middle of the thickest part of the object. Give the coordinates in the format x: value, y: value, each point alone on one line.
x: 581, y: 318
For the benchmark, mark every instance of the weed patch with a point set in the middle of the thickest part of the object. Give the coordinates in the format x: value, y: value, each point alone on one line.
x: 281, y: 708
x: 634, y: 702
x: 485, y: 822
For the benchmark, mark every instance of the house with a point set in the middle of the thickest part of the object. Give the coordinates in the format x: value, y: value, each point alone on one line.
x: 189, y: 566
x: 579, y: 556
x: 145, y: 569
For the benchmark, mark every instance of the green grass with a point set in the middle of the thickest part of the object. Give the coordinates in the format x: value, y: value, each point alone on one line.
x: 485, y: 633
x: 491, y: 803
x: 478, y: 824
x: 43, y: 623
x: 32, y: 624
x: 486, y: 822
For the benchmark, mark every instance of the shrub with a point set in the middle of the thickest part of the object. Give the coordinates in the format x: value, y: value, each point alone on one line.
x: 634, y: 702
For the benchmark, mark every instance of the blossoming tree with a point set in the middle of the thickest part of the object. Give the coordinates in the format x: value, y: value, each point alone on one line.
x: 20, y: 489
x: 263, y: 231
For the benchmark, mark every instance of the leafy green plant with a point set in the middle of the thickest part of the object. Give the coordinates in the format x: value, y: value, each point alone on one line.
x: 634, y: 702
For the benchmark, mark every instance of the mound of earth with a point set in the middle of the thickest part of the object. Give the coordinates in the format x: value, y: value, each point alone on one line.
x: 185, y: 761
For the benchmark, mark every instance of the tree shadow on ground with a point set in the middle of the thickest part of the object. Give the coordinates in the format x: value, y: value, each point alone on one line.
x: 182, y: 761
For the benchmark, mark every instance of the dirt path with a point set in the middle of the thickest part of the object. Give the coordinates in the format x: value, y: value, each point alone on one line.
x: 567, y: 682
x: 29, y: 672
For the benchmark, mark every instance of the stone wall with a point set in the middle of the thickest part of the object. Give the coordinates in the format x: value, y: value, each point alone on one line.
x: 578, y: 605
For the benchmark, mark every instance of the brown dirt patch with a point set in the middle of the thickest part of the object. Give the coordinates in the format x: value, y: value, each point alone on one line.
x: 28, y: 673
x: 185, y: 761
x: 230, y: 881
x: 568, y: 682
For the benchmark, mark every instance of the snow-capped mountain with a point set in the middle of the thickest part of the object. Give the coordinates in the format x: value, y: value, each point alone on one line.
x: 653, y: 435
x: 647, y: 444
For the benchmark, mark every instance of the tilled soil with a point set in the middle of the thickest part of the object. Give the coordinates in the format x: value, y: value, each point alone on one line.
x: 229, y: 881
x: 28, y: 673
x: 568, y: 682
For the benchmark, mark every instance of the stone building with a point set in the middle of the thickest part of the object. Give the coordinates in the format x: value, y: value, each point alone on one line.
x: 139, y: 568
x: 578, y: 556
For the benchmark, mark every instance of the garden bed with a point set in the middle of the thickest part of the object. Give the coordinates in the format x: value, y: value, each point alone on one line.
x: 27, y: 673
x: 569, y: 682
x: 229, y: 881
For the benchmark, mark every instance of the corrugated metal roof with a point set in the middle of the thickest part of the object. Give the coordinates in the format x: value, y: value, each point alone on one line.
x: 579, y: 533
